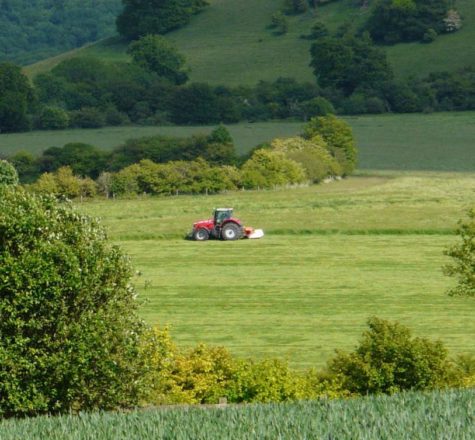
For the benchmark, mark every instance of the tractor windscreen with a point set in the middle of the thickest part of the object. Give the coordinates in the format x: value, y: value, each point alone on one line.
x: 221, y: 215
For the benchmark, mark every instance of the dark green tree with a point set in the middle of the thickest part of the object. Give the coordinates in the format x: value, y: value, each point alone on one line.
x: 349, y: 63
x: 142, y: 17
x: 406, y: 20
x: 16, y: 96
x: 158, y: 55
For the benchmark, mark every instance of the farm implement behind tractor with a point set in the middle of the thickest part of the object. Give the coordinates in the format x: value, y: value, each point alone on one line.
x: 223, y: 226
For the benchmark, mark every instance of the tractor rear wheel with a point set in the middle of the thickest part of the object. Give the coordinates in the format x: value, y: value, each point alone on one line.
x: 201, y: 234
x: 231, y: 231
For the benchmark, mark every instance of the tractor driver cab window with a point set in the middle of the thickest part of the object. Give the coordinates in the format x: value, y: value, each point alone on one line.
x: 221, y: 216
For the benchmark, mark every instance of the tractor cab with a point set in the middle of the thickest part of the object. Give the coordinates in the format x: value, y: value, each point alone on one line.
x: 221, y: 215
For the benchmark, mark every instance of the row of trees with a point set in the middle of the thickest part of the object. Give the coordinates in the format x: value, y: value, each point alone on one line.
x: 87, y: 160
x: 357, y: 78
x: 200, y: 164
x: 87, y: 93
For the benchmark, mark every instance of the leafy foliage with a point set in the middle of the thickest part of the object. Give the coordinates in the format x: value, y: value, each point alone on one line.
x: 16, y: 96
x: 142, y: 17
x: 338, y: 137
x: 312, y: 154
x: 70, y: 335
x: 8, y: 173
x: 157, y: 54
x: 462, y: 267
x: 388, y: 360
x: 268, y: 169
x: 30, y: 30
x: 349, y: 63
x: 392, y: 21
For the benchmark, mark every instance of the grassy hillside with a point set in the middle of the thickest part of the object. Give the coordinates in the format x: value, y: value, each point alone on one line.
x: 447, y: 53
x: 439, y: 141
x: 440, y: 415
x: 229, y: 43
x: 333, y: 256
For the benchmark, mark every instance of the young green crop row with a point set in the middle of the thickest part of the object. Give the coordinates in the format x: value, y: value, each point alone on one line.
x: 411, y: 416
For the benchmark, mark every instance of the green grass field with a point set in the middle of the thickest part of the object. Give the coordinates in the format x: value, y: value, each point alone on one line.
x: 438, y: 415
x: 333, y: 255
x: 229, y: 43
x: 439, y: 141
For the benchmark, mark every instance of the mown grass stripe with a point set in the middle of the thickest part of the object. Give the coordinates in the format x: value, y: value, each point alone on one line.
x: 293, y: 232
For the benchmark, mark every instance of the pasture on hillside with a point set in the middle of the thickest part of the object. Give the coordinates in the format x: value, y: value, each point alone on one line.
x: 441, y: 415
x: 333, y: 255
x: 230, y: 43
x: 438, y: 141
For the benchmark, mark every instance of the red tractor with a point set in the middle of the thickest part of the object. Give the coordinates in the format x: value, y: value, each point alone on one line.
x: 223, y: 226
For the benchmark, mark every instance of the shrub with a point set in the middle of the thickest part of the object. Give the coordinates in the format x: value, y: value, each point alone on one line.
x: 71, y: 338
x: 388, y: 360
x: 312, y: 155
x: 267, y: 169
x: 53, y: 118
x: 339, y: 138
x: 87, y: 117
x: 318, y: 106
x: 8, y: 174
x: 63, y: 183
x: 462, y: 267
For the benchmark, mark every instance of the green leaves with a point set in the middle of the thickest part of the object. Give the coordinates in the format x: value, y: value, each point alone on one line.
x: 462, y: 267
x: 69, y: 331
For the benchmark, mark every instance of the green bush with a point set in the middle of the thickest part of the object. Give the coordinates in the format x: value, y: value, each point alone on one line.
x: 388, y: 360
x: 64, y: 184
x: 312, y: 155
x: 186, y: 177
x: 53, y: 118
x: 268, y: 169
x: 462, y: 267
x: 87, y: 117
x: 8, y: 173
x: 339, y: 139
x: 70, y: 334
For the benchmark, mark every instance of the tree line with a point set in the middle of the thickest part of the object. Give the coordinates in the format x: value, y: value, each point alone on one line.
x: 208, y: 164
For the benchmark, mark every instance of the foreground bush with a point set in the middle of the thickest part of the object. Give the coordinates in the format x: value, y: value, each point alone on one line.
x: 70, y: 335
x: 388, y: 360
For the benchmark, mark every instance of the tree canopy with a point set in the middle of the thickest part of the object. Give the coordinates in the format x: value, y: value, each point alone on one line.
x: 70, y: 333
x: 462, y: 267
x: 158, y: 55
x: 16, y: 95
x: 32, y: 30
x: 142, y: 17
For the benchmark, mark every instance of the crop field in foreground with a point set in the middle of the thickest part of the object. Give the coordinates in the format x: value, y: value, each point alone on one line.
x: 333, y: 255
x: 438, y: 141
x: 411, y: 416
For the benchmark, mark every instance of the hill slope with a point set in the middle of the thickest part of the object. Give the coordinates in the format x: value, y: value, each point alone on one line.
x: 230, y: 43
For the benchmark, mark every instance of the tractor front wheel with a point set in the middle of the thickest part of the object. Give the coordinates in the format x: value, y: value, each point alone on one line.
x: 201, y: 234
x: 231, y: 231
